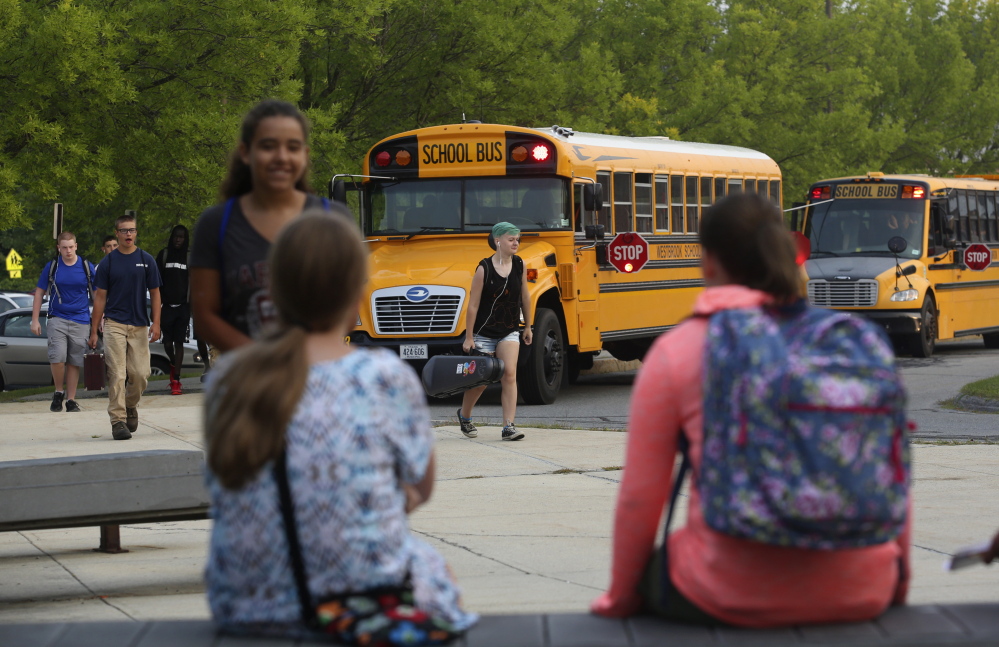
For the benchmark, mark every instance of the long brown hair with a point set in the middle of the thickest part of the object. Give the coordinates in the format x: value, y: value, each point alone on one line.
x: 238, y: 180
x: 747, y: 235
x: 318, y: 266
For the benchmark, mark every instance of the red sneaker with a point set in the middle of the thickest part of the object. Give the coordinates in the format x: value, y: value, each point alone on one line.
x: 175, y: 387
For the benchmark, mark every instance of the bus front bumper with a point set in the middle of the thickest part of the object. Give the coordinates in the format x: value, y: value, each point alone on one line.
x: 434, y: 345
x: 894, y: 322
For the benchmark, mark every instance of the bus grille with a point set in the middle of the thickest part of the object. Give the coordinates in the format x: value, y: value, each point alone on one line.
x: 842, y: 294
x: 396, y: 315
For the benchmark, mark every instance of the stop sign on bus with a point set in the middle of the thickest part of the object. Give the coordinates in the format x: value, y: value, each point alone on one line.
x: 977, y: 257
x: 628, y: 252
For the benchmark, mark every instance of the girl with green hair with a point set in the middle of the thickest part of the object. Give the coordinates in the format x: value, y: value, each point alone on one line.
x: 492, y: 323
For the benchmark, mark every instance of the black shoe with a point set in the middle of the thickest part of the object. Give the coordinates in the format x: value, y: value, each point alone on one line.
x: 510, y: 432
x: 467, y: 427
x: 56, y: 402
x: 131, y: 419
x: 72, y: 406
x: 120, y: 432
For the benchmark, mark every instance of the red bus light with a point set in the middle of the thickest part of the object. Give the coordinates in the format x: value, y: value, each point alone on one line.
x: 820, y: 193
x: 540, y: 153
x: 383, y: 159
x: 403, y: 158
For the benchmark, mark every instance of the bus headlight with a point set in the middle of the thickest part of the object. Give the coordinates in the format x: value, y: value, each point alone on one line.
x: 905, y: 295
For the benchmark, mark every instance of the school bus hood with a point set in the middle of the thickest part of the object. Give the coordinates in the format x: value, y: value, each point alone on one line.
x: 850, y: 268
x: 439, y: 261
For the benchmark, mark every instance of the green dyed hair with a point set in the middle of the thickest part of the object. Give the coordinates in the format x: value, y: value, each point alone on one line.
x: 504, y: 228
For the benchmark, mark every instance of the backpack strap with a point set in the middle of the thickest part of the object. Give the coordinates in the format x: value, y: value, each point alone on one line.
x: 223, y: 226
x: 90, y: 279
x: 53, y: 289
x: 683, y: 446
x: 308, y: 613
x: 326, y: 204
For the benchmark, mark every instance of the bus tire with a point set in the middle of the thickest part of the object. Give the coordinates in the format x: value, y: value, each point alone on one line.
x: 540, y: 378
x: 991, y: 339
x: 922, y: 344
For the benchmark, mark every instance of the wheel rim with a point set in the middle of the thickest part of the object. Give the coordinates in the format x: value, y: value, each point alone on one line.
x: 930, y: 326
x: 552, y: 360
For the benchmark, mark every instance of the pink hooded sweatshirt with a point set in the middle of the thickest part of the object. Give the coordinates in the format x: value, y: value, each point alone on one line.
x: 740, y: 582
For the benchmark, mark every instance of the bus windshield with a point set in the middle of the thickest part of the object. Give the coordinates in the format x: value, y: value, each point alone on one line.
x: 467, y: 205
x: 852, y: 227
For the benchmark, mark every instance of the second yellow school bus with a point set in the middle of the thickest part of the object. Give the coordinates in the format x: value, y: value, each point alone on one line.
x: 427, y: 199
x: 924, y: 292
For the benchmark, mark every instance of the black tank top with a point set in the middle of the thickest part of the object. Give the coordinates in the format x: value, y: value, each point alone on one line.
x: 499, y: 305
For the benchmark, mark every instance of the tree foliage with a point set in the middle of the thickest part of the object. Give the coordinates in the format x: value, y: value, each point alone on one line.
x: 134, y: 104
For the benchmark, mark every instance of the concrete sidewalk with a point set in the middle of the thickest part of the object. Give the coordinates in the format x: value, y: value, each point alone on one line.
x: 526, y: 526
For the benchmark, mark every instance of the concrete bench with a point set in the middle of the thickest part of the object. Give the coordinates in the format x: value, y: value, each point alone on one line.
x: 971, y: 625
x: 103, y: 490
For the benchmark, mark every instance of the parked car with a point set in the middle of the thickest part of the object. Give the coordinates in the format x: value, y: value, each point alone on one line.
x: 11, y: 300
x: 24, y: 358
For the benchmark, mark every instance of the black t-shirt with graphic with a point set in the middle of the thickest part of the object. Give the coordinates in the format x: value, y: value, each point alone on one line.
x: 246, y: 303
x: 499, y: 306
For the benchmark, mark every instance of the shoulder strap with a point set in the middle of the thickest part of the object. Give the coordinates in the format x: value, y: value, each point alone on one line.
x: 684, y: 447
x: 90, y: 278
x: 326, y: 204
x: 53, y: 288
x: 223, y: 226
x: 291, y: 534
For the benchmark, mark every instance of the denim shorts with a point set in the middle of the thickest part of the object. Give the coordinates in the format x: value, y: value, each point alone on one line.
x: 488, y: 344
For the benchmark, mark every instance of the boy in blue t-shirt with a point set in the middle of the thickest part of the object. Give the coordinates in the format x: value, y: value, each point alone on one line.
x: 69, y: 287
x: 121, y: 282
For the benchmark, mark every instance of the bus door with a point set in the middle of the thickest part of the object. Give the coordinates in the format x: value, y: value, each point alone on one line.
x: 586, y: 284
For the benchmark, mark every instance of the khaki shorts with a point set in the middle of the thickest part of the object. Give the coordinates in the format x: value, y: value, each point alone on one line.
x: 67, y: 341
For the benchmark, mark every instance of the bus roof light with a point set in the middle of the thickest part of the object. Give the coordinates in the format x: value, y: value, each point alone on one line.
x: 519, y: 154
x: 539, y: 153
x: 918, y: 192
x: 383, y: 159
x: 403, y: 158
x: 820, y: 193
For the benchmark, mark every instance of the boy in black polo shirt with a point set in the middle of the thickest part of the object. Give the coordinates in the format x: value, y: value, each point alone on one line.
x: 122, y: 279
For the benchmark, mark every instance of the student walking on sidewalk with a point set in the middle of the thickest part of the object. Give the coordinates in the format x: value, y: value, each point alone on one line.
x: 68, y: 281
x: 266, y: 187
x: 175, y: 315
x: 492, y: 324
x: 123, y: 278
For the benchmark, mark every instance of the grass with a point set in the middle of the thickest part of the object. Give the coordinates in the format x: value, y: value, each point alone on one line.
x: 987, y: 388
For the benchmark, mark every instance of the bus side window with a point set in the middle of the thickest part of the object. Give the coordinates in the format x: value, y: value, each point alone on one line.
x: 750, y: 186
x: 990, y: 204
x: 623, y: 203
x: 603, y: 177
x: 692, y: 205
x: 643, y: 202
x: 662, y: 203
x: 676, y: 202
x: 734, y: 185
x: 973, y: 234
x: 577, y: 207
x: 705, y: 193
x: 962, y: 209
x: 936, y: 237
x: 775, y: 191
x: 983, y: 218
x: 719, y: 188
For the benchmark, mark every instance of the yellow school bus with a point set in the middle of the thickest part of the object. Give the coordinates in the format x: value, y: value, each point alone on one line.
x: 922, y: 291
x: 428, y: 198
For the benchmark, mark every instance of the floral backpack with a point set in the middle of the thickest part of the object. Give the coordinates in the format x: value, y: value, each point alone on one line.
x: 805, y: 433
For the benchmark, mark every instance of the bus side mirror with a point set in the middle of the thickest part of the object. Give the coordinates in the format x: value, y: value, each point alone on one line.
x: 593, y: 197
x: 594, y: 232
x: 338, y: 191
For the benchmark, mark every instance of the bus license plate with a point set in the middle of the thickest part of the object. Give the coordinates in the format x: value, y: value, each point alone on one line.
x: 413, y: 351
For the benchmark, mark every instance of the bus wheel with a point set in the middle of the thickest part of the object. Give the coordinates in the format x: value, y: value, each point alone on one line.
x: 991, y: 339
x: 922, y: 343
x: 540, y: 378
